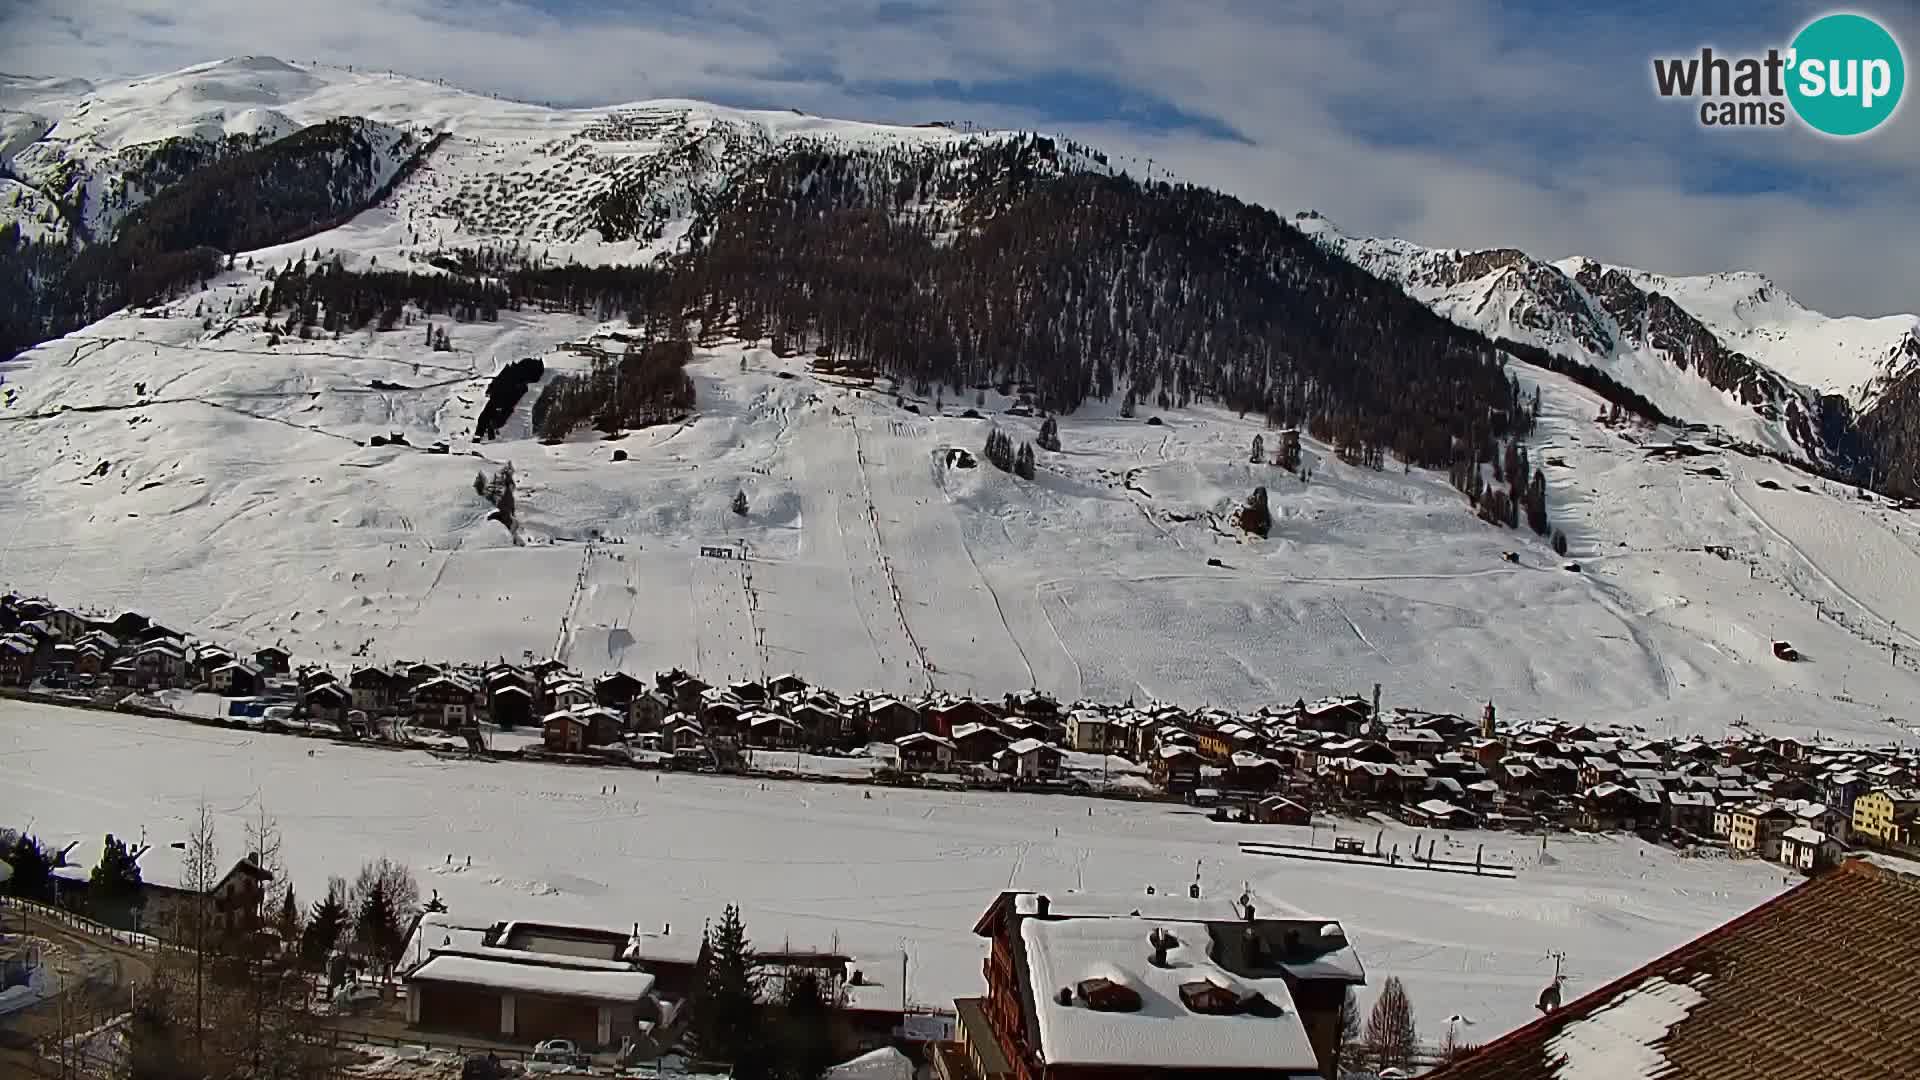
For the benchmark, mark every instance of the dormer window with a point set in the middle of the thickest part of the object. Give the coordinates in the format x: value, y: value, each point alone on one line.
x: 1105, y: 995
x: 1209, y: 998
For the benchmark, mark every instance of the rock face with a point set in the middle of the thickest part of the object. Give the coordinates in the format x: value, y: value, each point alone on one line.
x: 1732, y: 352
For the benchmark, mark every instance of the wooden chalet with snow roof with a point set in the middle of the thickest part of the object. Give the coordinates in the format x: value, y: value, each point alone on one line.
x: 1082, y: 987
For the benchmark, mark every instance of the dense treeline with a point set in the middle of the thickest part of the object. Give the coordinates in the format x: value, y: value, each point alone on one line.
x: 1588, y: 376
x: 647, y: 385
x: 1085, y: 286
x: 310, y: 181
x: 504, y: 392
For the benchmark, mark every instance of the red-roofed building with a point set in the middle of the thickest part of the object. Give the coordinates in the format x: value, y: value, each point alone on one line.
x: 1815, y: 982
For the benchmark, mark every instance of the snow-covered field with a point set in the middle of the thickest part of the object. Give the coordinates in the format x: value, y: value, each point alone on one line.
x: 818, y: 863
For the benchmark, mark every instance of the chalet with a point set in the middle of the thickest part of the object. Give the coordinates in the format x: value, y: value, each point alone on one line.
x: 820, y: 726
x: 648, y: 710
x: 327, y: 703
x: 155, y: 632
x: 771, y: 731
x: 68, y: 624
x: 719, y: 712
x: 444, y: 702
x: 565, y: 732
x: 375, y: 690
x: 748, y: 692
x: 1605, y: 807
x: 17, y: 660
x: 576, y: 729
x: 1152, y: 987
x: 1280, y: 810
x: 1029, y: 759
x: 422, y: 672
x: 161, y: 664
x: 682, y: 732
x: 1841, y: 788
x: 510, y: 705
x: 788, y: 683
x: 235, y: 678
x: 1339, y: 716
x: 1440, y: 814
x: 977, y: 742
x: 91, y: 659
x: 1689, y: 811
x: 564, y: 692
x: 924, y: 751
x: 948, y: 717
x: 203, y: 659
x: 1248, y: 771
x: 1033, y: 706
x: 1413, y: 744
x: 616, y: 690
x: 1176, y: 769
x: 273, y: 660
x: 887, y: 719
x: 688, y: 691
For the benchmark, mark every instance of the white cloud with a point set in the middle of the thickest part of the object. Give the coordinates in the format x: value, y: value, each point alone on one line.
x: 1449, y: 122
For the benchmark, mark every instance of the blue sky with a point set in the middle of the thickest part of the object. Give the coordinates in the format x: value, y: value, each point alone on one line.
x: 1529, y: 123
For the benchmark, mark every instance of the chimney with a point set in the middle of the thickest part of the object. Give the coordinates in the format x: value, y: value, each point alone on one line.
x: 1193, y: 891
x: 1066, y: 995
x: 1041, y: 905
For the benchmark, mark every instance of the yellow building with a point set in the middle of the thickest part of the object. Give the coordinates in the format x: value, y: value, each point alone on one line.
x: 1886, y: 815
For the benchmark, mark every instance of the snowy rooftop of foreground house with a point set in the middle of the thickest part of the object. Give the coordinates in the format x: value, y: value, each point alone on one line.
x: 1164, y: 1032
x: 535, y: 978
x: 1161, y: 904
x: 440, y: 930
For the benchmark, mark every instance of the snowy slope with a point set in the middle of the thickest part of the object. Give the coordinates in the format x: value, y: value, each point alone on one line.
x: 182, y: 462
x: 1732, y: 351
x: 212, y: 478
x: 820, y: 865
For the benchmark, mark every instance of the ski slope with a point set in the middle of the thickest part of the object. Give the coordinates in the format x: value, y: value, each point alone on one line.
x: 236, y: 496
x: 823, y: 865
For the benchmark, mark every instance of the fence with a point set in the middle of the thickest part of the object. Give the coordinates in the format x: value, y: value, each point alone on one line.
x: 81, y: 924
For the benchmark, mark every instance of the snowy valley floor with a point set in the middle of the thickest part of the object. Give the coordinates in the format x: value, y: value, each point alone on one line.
x: 818, y: 864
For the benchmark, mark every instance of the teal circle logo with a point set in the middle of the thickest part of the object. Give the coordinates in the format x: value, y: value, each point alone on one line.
x: 1847, y: 75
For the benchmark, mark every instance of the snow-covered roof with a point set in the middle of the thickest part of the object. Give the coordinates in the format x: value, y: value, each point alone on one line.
x: 1801, y: 834
x: 1163, y: 1033
x: 535, y: 978
x: 1439, y: 808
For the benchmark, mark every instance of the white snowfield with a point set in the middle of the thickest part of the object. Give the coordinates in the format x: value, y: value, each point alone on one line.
x: 821, y: 865
x: 510, y: 173
x: 180, y: 463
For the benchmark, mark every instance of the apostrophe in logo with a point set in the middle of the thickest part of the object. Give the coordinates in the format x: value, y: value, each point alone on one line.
x: 1847, y: 74
x: 1842, y: 76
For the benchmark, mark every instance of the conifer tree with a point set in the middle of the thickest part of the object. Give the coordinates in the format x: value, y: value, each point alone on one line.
x: 323, y: 929
x: 1259, y: 454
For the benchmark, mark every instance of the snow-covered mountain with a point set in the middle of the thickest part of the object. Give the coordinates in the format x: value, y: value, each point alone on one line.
x: 214, y: 464
x: 1733, y: 350
x: 508, y: 172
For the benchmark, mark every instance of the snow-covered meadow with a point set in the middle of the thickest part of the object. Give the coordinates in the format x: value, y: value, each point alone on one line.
x: 820, y: 864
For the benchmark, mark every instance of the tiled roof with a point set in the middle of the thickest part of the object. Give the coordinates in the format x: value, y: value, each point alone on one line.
x: 1813, y: 983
